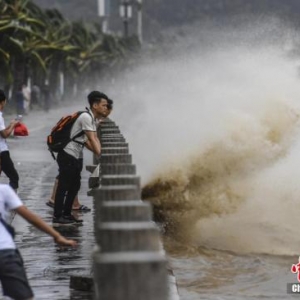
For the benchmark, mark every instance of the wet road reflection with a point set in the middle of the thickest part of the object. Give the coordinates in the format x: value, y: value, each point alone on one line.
x: 49, y: 266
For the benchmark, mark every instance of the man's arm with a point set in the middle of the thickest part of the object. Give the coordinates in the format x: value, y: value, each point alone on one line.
x: 93, y: 142
x: 43, y: 226
x: 8, y: 130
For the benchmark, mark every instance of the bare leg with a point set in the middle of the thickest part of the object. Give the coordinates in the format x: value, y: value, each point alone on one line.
x: 79, y: 207
x: 76, y: 203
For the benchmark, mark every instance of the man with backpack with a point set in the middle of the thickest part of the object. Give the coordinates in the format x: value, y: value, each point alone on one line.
x: 70, y: 163
x: 12, y: 272
x: 77, y: 206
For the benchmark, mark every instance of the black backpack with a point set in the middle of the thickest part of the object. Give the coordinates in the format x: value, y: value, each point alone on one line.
x: 60, y: 134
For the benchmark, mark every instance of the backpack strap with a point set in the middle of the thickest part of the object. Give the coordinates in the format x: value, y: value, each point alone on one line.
x: 8, y: 227
x: 82, y: 132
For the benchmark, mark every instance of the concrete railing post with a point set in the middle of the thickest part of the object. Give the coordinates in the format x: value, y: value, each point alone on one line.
x: 129, y: 262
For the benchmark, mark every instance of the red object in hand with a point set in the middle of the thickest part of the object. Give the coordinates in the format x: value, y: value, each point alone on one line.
x: 21, y: 130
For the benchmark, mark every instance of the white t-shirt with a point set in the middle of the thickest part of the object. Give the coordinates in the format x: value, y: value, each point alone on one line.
x: 3, y: 144
x: 9, y: 200
x: 85, y: 122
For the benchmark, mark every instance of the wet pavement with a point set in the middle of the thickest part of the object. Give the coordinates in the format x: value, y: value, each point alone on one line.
x: 49, y: 267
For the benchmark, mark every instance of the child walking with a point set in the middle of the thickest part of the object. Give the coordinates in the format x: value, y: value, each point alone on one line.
x: 12, y: 272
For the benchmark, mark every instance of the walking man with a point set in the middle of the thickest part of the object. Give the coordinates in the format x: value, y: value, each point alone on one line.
x: 70, y: 160
x: 12, y: 272
x: 7, y: 165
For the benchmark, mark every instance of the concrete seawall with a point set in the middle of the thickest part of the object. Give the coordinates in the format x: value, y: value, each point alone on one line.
x: 129, y: 262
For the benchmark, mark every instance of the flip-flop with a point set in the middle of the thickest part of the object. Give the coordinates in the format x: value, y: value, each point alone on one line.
x: 50, y: 204
x: 82, y: 208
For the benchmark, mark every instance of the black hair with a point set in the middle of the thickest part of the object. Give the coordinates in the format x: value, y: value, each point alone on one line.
x: 2, y: 96
x: 96, y: 97
x: 110, y: 103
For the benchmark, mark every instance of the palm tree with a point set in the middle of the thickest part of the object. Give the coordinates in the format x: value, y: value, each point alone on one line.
x: 41, y: 44
x: 18, y: 37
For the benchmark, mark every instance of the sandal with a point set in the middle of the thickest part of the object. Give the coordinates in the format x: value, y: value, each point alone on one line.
x: 50, y: 204
x: 82, y: 208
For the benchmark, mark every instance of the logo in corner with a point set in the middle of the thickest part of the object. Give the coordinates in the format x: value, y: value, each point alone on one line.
x: 295, y: 269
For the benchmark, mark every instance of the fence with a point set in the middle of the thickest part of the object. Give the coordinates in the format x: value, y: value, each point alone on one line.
x: 129, y: 262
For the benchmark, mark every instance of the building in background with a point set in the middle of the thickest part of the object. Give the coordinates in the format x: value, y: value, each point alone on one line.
x: 120, y: 17
x: 167, y: 17
x: 124, y: 17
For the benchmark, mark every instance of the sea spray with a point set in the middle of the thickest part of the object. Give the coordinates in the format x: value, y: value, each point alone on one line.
x: 214, y: 133
x: 218, y: 181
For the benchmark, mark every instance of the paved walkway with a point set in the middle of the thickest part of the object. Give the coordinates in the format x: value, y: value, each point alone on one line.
x: 48, y: 267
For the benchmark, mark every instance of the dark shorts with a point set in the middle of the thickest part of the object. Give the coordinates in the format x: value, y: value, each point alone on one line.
x: 13, y: 276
